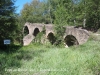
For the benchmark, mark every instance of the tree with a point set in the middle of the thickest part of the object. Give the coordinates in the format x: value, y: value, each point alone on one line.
x: 51, y: 8
x: 35, y: 12
x: 7, y: 20
x: 60, y: 21
x: 26, y: 12
x: 89, y: 13
x: 93, y: 14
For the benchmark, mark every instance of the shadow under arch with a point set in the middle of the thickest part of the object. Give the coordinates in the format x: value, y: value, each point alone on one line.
x: 26, y: 30
x: 51, y: 38
x: 70, y: 40
x: 36, y: 31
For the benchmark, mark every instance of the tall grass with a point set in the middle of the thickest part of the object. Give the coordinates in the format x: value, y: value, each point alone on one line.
x: 50, y: 60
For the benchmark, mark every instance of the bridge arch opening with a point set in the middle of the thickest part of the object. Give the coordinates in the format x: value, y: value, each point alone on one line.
x: 26, y: 31
x: 70, y: 40
x: 36, y: 31
x: 51, y: 38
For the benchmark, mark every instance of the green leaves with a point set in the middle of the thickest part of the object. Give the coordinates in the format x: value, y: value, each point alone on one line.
x: 63, y: 12
x: 60, y: 15
x: 35, y: 12
x: 7, y: 20
x: 93, y: 14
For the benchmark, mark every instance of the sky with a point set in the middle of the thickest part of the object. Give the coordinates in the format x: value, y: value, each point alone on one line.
x: 20, y: 4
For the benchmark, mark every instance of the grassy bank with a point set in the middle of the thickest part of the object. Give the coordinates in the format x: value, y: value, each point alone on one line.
x: 50, y: 60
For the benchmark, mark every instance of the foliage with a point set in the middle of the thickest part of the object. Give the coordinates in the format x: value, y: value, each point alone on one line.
x: 89, y: 10
x: 35, y: 11
x: 19, y: 31
x: 93, y: 14
x: 40, y: 37
x: 73, y: 12
x: 8, y: 25
x: 60, y: 22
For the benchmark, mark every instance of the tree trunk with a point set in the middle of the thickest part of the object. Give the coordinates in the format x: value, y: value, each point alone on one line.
x: 84, y: 22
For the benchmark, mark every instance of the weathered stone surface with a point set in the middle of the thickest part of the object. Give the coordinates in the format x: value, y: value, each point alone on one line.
x: 81, y: 35
x: 27, y: 39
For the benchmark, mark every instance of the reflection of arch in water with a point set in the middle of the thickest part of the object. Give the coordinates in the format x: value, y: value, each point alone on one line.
x: 51, y: 38
x: 70, y: 40
x: 36, y: 31
x: 26, y: 30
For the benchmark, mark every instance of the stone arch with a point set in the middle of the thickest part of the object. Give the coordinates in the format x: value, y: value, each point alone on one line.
x: 36, y: 31
x: 26, y: 30
x: 51, y: 38
x: 70, y: 40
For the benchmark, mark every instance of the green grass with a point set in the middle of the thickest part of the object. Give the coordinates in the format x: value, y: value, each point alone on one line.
x: 50, y: 60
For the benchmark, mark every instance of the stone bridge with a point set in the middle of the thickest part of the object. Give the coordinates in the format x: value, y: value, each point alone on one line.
x: 72, y: 35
